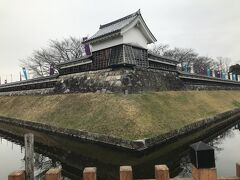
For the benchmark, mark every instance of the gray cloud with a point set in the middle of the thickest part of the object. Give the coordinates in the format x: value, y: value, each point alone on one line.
x: 210, y: 27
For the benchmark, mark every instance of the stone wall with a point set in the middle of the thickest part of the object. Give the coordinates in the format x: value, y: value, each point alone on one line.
x: 208, y: 87
x: 138, y: 80
x: 201, y: 82
x: 120, y: 80
x: 44, y: 91
x: 126, y: 80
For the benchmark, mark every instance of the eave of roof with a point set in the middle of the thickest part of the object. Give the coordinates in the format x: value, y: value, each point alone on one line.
x: 86, y: 58
x: 164, y: 57
x: 163, y: 62
x: 148, y: 29
x: 104, y: 36
x: 76, y: 64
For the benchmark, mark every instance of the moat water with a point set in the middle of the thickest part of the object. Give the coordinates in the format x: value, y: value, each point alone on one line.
x: 72, y: 156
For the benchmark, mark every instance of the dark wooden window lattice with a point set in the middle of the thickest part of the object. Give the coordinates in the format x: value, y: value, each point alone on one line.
x: 101, y: 59
x: 141, y: 57
x: 129, y: 55
x: 116, y: 55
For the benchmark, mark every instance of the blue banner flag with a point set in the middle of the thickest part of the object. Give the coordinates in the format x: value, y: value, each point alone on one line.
x: 25, y: 73
x: 209, y: 72
x: 223, y: 75
x: 234, y: 77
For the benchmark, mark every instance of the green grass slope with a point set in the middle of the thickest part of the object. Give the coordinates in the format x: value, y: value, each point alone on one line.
x: 132, y: 116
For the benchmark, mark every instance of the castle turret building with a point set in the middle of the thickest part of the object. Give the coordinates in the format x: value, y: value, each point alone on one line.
x: 122, y: 42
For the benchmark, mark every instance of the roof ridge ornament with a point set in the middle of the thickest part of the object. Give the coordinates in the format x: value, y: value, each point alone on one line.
x: 139, y: 12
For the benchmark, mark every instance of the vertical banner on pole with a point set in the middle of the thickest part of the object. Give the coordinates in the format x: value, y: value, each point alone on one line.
x: 208, y: 72
x: 223, y: 74
x: 213, y: 73
x: 25, y: 73
x: 230, y: 75
x: 220, y: 71
x: 87, y: 48
x: 51, y: 69
x: 222, y: 77
x: 20, y: 76
x: 192, y: 68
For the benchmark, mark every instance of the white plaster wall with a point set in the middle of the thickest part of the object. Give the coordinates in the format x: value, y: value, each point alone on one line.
x: 108, y: 43
x: 135, y: 36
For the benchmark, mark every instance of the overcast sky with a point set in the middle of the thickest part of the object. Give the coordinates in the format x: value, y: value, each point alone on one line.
x: 211, y: 27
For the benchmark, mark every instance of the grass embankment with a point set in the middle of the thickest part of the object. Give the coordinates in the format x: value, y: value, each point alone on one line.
x: 133, y: 116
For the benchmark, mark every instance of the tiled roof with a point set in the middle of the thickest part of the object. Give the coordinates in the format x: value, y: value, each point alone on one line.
x: 82, y: 59
x: 114, y: 26
x: 162, y: 57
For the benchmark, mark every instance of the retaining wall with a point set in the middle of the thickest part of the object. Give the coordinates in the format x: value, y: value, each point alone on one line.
x: 29, y: 92
x: 213, y: 124
x: 119, y: 80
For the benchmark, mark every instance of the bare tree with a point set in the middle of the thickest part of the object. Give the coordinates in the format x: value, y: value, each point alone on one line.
x: 182, y: 55
x: 202, y: 64
x: 187, y: 56
x: 58, y: 51
x: 159, y: 49
x: 224, y: 63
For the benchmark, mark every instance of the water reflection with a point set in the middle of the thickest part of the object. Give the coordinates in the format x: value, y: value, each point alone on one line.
x: 12, y: 158
x: 42, y: 164
x: 226, y: 146
x: 72, y: 156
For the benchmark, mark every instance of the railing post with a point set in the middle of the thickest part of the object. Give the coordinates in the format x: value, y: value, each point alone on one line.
x: 161, y: 172
x: 204, y: 174
x: 238, y: 169
x: 17, y: 175
x: 29, y: 149
x: 203, y: 160
x: 90, y: 173
x: 53, y: 174
x: 126, y: 173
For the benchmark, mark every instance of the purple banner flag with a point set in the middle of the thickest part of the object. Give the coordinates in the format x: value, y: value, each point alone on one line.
x: 51, y: 70
x: 87, y: 47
